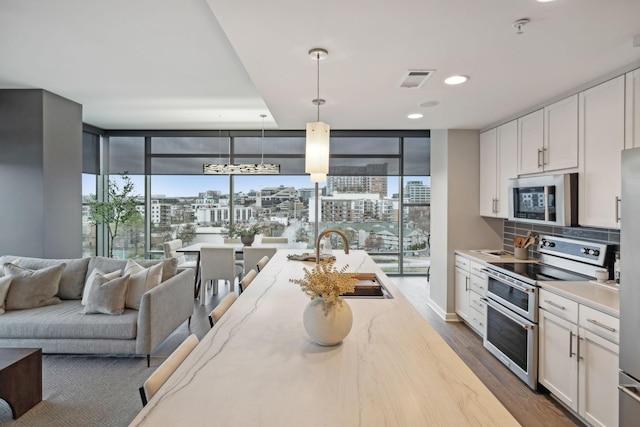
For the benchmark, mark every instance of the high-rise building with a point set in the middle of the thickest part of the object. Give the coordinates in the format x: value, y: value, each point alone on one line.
x: 357, y: 184
x: 417, y: 192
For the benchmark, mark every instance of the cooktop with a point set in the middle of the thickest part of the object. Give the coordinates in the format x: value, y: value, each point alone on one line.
x: 540, y: 272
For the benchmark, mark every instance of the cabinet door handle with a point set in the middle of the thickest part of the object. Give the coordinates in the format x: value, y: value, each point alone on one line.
x: 551, y: 303
x: 571, y: 353
x: 579, y: 339
x: 618, y: 201
x: 544, y: 162
x: 539, y: 163
x: 497, y: 205
x: 603, y: 326
x: 466, y: 283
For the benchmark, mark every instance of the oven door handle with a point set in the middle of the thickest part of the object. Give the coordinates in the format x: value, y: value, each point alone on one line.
x: 519, y: 287
x: 512, y: 316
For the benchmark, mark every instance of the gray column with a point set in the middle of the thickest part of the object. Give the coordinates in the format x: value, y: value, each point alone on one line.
x: 40, y: 174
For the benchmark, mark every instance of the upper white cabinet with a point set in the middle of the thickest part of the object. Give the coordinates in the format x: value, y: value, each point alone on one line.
x: 632, y: 110
x: 498, y: 163
x: 601, y: 138
x: 530, y: 142
x: 548, y: 138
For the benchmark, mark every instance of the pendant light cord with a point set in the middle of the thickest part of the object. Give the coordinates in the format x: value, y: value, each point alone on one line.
x: 262, y: 139
x: 318, y: 84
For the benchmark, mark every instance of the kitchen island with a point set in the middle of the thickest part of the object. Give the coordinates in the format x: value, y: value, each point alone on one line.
x: 258, y: 367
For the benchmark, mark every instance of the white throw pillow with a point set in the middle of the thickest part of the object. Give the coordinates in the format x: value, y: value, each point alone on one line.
x: 16, y: 262
x: 94, y: 273
x: 142, y: 280
x: 32, y: 288
x: 5, y: 282
x: 106, y: 296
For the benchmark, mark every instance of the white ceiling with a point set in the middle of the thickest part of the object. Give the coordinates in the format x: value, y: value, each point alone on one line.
x: 173, y: 64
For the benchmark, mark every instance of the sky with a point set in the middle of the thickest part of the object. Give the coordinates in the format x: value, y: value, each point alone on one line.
x: 191, y: 185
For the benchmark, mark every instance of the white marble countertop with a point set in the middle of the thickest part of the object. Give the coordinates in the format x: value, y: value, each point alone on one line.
x: 605, y: 298
x: 257, y: 366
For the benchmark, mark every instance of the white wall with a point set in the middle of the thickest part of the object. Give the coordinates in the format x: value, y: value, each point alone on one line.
x: 455, y: 219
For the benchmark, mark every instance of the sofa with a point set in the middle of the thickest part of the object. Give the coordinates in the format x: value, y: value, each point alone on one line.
x: 65, y: 327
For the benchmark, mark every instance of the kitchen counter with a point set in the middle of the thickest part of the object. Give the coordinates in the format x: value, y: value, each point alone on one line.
x: 257, y: 366
x: 599, y: 297
x: 476, y: 255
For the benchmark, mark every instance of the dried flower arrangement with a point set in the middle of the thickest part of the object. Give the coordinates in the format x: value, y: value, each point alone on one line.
x: 327, y: 282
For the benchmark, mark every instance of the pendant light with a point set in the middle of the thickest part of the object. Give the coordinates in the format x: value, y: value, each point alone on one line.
x: 247, y: 168
x: 317, y: 145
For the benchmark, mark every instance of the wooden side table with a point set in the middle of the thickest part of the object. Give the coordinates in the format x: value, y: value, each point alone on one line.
x: 21, y: 378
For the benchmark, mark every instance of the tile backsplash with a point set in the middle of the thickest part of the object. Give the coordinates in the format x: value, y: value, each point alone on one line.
x: 601, y: 235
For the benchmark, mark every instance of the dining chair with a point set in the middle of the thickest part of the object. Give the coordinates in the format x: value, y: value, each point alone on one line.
x: 247, y: 279
x: 235, y: 241
x: 253, y: 254
x: 221, y: 308
x: 263, y: 261
x: 275, y: 239
x: 170, y: 249
x: 218, y: 263
x: 168, y: 367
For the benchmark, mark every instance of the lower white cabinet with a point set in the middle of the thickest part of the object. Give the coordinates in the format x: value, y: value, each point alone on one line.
x: 462, y: 293
x: 576, y: 363
x: 470, y: 284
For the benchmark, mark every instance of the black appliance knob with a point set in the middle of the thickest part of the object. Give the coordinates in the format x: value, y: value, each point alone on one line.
x: 584, y: 250
x: 594, y: 252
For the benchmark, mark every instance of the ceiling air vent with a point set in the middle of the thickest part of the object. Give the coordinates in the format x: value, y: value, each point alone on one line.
x: 414, y: 79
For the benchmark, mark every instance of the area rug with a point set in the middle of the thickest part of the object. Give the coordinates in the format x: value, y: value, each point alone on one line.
x: 86, y: 391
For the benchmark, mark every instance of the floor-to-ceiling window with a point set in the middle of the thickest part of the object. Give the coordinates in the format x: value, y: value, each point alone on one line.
x: 370, y: 193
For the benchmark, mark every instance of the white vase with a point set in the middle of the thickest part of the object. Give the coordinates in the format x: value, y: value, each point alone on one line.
x: 327, y: 327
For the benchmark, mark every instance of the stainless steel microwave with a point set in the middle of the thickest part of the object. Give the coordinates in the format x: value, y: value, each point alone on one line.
x: 547, y: 199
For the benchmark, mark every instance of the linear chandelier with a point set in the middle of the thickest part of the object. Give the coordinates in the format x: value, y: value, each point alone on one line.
x: 245, y: 168
x: 317, y: 137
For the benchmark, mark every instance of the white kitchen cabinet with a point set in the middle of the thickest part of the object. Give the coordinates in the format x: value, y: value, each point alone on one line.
x: 632, y: 110
x: 578, y: 358
x: 462, y: 293
x: 601, y: 137
x: 598, y: 379
x: 470, y: 288
x: 498, y: 163
x: 477, y: 292
x: 488, y: 172
x: 530, y: 142
x: 560, y: 149
x: 548, y: 138
x: 557, y: 358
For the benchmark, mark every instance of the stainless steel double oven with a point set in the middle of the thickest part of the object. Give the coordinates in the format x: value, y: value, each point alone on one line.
x: 511, y: 327
x: 512, y: 299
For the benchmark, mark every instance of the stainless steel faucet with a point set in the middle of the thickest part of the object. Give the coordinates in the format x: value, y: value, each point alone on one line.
x: 324, y: 233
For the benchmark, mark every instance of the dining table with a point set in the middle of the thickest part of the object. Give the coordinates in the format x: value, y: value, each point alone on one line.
x: 257, y: 366
x: 194, y: 249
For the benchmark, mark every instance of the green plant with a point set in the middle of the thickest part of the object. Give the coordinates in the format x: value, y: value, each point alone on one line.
x: 118, y: 209
x: 243, y: 230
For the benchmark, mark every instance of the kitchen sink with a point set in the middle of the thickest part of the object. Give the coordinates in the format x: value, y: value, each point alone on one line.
x: 368, y: 286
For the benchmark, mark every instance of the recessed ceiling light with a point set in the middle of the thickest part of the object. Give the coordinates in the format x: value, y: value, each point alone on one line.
x: 415, y: 116
x: 456, y: 80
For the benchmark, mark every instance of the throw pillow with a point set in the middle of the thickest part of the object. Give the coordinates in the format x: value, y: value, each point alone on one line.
x: 5, y: 282
x: 107, y: 296
x: 32, y: 288
x: 142, y: 280
x: 94, y: 273
x: 14, y: 262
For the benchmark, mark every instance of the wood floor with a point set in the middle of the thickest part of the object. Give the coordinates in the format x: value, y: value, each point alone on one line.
x: 530, y: 408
